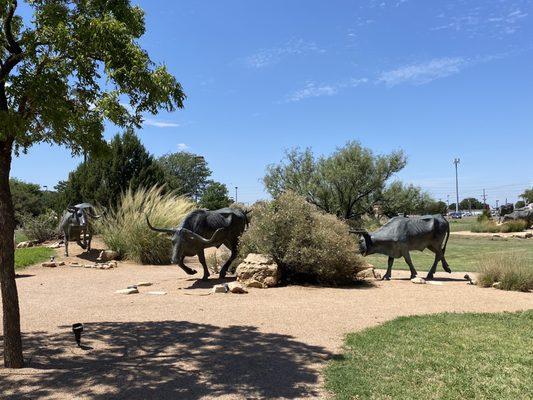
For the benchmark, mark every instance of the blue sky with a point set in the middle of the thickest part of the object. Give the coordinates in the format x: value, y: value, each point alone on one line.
x: 437, y: 79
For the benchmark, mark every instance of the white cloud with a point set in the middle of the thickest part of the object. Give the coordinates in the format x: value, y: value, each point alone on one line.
x: 422, y: 73
x: 312, y: 89
x: 272, y: 56
x: 160, y: 124
x: 182, y: 146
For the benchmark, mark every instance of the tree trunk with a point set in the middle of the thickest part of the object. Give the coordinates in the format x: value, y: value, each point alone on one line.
x: 10, y: 301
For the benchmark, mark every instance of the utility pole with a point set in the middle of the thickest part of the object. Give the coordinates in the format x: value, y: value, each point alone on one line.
x: 497, y: 201
x: 236, y: 198
x: 484, y: 199
x: 456, y: 161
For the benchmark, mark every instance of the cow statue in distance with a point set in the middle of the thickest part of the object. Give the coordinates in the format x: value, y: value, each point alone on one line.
x: 76, y: 225
x: 203, y: 228
x: 525, y: 214
x: 400, y: 235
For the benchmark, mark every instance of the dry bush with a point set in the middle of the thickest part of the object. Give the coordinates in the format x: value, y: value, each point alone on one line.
x: 124, y: 228
x: 513, y: 271
x: 306, y: 243
x: 492, y: 227
x: 42, y: 227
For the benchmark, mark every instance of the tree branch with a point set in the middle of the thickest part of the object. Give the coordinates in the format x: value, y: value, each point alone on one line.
x: 12, y: 44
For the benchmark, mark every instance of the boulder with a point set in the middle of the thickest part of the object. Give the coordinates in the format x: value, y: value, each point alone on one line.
x: 56, y: 245
x: 258, y: 270
x: 144, y: 284
x: 497, y: 285
x: 49, y: 264
x: 368, y: 273
x: 29, y: 243
x: 236, y: 287
x: 108, y: 255
x: 419, y: 281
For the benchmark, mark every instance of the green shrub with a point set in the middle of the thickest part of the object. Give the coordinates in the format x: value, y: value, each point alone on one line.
x: 492, y: 227
x: 307, y: 244
x: 42, y: 227
x: 124, y: 228
x: 512, y: 271
x: 485, y: 216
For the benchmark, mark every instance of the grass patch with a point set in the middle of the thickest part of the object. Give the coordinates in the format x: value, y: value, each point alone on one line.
x: 512, y: 271
x: 20, y: 236
x: 465, y: 253
x: 463, y: 224
x: 32, y: 255
x: 443, y: 356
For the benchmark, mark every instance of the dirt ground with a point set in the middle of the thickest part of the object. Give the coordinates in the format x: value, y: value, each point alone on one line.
x: 524, y: 234
x: 187, y: 344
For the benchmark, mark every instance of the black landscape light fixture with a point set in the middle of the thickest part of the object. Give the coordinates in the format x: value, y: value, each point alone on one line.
x: 77, y: 329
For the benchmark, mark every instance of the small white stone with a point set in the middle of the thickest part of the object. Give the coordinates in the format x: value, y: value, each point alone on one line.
x: 219, y: 289
x: 127, y: 291
x: 418, y: 280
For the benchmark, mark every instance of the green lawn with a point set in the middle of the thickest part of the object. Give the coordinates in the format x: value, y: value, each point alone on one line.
x: 462, y: 253
x: 463, y: 224
x: 20, y: 236
x: 32, y: 255
x: 443, y: 356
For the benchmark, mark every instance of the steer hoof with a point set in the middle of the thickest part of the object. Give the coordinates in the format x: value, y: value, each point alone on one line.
x: 205, y: 277
x: 429, y: 277
x: 190, y: 271
x: 386, y: 278
x: 413, y: 276
x: 447, y: 269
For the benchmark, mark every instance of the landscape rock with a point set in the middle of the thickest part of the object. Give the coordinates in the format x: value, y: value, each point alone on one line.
x: 220, y: 289
x: 144, y: 284
x: 418, y: 280
x: 49, y: 264
x: 528, y: 235
x: 107, y: 255
x: 259, y: 271
x: 236, y: 287
x: 56, y: 245
x: 127, y: 291
x: 61, y: 263
x: 157, y: 293
x: 497, y: 285
x: 29, y: 243
x: 368, y: 273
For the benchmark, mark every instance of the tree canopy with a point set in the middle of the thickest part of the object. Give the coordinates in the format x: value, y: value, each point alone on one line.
x: 186, y: 173
x: 527, y: 195
x: 63, y: 72
x: 470, y: 203
x: 346, y: 183
x: 215, y: 196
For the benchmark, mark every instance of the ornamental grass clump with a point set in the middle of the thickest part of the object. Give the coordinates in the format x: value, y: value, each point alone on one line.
x: 124, y: 228
x: 512, y: 271
x: 491, y: 226
x: 307, y: 244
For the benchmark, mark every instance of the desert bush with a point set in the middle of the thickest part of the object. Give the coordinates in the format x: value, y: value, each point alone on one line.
x: 512, y: 271
x: 124, y: 228
x: 492, y: 227
x: 306, y: 243
x: 41, y: 227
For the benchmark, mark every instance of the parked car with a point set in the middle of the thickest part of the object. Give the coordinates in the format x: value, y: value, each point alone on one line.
x: 456, y: 215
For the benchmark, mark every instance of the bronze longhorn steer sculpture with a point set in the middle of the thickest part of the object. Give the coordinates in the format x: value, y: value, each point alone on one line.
x: 76, y: 225
x: 201, y: 229
x: 400, y: 235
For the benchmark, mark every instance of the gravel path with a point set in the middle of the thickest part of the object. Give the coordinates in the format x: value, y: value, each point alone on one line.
x: 267, y: 344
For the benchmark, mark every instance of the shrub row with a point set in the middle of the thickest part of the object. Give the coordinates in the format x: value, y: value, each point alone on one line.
x: 512, y: 271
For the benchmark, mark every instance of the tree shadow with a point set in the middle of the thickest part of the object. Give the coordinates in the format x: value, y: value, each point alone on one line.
x: 19, y: 276
x: 90, y: 255
x: 166, y: 360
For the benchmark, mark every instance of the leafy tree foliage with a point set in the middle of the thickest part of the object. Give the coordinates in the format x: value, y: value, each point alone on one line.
x: 27, y: 199
x: 527, y: 195
x: 398, y: 198
x: 520, y: 204
x: 435, y: 207
x: 102, y: 180
x: 63, y: 72
x: 186, y: 173
x: 470, y: 203
x: 215, y: 196
x: 346, y: 183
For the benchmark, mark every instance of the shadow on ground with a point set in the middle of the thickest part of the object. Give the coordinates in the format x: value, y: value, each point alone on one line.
x: 165, y: 360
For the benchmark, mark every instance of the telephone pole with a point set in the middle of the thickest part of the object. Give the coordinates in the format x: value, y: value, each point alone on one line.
x: 456, y: 161
x: 236, y: 198
x: 484, y: 199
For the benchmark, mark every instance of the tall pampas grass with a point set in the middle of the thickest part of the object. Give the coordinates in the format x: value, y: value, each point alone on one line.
x: 124, y: 228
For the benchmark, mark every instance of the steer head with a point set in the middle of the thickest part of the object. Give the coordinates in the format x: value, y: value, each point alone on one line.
x: 187, y: 243
x: 365, y: 241
x: 82, y: 213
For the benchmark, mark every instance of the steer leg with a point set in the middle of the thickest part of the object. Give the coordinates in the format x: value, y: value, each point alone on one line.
x: 201, y: 258
x: 407, y: 258
x: 387, y: 276
x: 226, y: 265
x: 66, y: 244
x: 187, y: 270
x: 445, y: 265
x: 433, y: 267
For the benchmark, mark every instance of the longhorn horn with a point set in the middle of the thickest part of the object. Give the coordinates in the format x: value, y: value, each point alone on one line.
x: 358, y: 231
x: 203, y: 240
x: 164, y: 230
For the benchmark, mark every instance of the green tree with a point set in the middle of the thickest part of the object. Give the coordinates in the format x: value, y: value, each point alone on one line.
x: 527, y: 195
x: 102, y: 180
x: 27, y: 199
x: 346, y: 183
x: 398, y: 198
x: 435, y: 207
x: 470, y: 203
x: 520, y: 204
x: 186, y: 173
x: 63, y: 72
x: 215, y: 196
